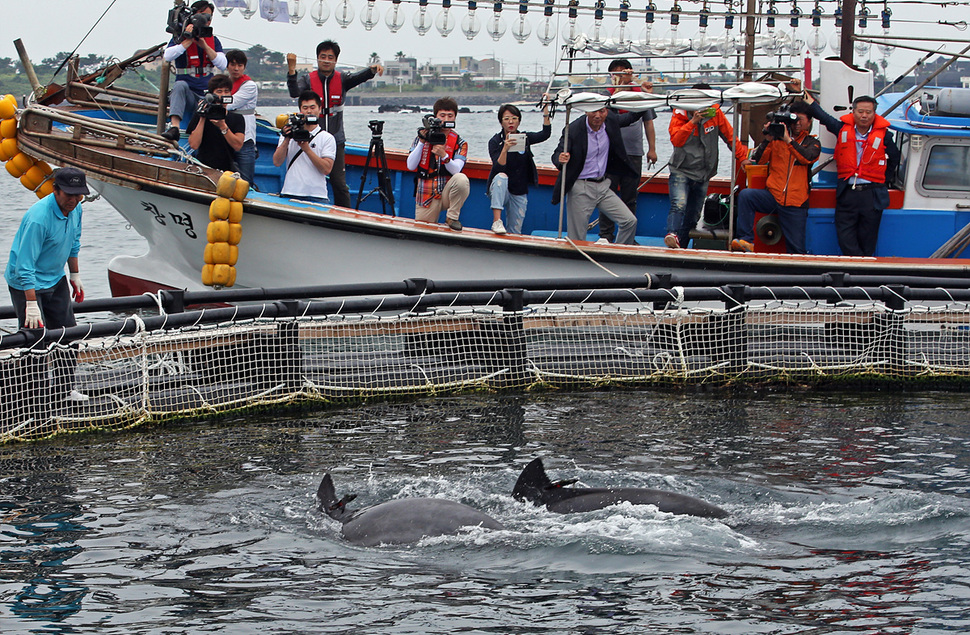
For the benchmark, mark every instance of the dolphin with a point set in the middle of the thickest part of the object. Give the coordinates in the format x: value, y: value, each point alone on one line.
x: 534, y: 486
x: 401, y: 521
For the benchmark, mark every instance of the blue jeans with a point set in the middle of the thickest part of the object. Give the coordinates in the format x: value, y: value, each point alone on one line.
x: 686, y: 204
x: 182, y: 101
x: 498, y: 191
x: 246, y: 161
x: 791, y: 219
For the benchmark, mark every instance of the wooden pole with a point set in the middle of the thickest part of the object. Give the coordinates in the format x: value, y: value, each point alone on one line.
x: 29, y: 69
x: 848, y: 27
x: 163, y: 98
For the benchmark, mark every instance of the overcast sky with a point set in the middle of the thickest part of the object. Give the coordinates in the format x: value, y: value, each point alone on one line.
x: 50, y: 26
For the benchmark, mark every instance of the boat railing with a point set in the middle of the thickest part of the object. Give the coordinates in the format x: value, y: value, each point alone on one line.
x: 346, y: 343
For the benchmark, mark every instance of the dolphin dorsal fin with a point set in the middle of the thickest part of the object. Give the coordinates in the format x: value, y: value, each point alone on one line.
x: 341, y: 503
x: 532, y: 483
x: 327, y: 499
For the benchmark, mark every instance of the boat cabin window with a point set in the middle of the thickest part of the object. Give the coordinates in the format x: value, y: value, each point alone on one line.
x: 947, y: 168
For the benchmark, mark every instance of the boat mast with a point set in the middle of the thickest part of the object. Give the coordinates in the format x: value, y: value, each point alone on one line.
x: 848, y: 27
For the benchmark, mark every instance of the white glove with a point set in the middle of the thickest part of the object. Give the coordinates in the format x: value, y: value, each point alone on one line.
x: 77, y: 289
x: 32, y: 320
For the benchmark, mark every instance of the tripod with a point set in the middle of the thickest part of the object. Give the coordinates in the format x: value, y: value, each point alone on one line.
x: 376, y: 151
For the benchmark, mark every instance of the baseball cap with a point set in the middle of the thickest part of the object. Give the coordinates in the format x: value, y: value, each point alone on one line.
x: 71, y: 181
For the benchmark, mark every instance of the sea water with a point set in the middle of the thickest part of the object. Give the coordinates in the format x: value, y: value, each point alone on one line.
x: 849, y: 513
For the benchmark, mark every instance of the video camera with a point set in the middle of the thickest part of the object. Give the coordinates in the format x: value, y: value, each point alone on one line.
x: 434, y: 130
x: 180, y: 17
x: 298, y: 123
x: 778, y: 121
x: 213, y: 106
x: 376, y: 127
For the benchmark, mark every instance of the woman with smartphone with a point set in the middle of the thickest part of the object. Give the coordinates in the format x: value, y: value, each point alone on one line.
x: 513, y: 167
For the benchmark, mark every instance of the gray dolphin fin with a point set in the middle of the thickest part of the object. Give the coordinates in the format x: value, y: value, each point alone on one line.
x: 327, y: 499
x: 532, y: 483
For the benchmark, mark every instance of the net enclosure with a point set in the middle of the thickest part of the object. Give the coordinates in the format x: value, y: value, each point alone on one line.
x: 198, y: 362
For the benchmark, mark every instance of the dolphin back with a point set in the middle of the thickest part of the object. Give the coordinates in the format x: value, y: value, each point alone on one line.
x: 533, y: 484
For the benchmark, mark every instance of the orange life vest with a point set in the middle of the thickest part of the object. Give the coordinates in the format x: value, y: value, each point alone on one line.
x: 239, y: 82
x: 331, y: 106
x: 871, y: 166
x: 196, y: 57
x: 424, y: 167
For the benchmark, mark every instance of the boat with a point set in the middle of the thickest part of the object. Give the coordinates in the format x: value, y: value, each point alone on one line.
x: 166, y: 199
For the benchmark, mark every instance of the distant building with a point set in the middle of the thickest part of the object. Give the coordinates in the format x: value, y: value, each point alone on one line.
x: 403, y: 70
x: 952, y: 76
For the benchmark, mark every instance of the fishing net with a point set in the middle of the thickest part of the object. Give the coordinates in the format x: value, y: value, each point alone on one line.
x: 199, y: 370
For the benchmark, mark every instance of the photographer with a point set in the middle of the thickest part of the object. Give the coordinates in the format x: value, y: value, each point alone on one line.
x: 789, y: 152
x: 244, y: 96
x: 332, y: 86
x: 216, y: 134
x: 438, y: 154
x: 195, y: 52
x: 309, y: 152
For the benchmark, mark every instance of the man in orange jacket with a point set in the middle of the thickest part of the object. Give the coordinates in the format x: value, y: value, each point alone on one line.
x: 865, y: 158
x: 692, y: 164
x: 789, y: 158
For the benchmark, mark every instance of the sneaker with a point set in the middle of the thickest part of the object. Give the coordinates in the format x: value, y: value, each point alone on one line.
x: 672, y: 241
x: 455, y: 225
x: 603, y: 241
x: 498, y: 227
x: 172, y: 134
x: 741, y: 245
x: 76, y: 397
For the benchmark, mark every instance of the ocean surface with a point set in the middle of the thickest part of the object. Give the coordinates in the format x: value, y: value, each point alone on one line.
x: 849, y: 511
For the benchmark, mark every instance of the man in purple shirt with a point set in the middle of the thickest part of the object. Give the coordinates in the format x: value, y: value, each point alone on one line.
x: 595, y: 150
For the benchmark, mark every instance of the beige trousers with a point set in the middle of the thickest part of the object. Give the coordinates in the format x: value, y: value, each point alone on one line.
x: 453, y: 196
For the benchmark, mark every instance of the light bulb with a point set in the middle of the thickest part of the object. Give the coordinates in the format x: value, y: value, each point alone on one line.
x: 248, y: 9
x: 224, y: 8
x: 471, y: 25
x: 521, y: 30
x: 370, y: 16
x: 296, y: 9
x: 796, y: 45
x: 344, y: 14
x: 597, y: 36
x: 884, y: 47
x: 269, y: 9
x: 621, y: 38
x: 571, y: 31
x: 445, y: 22
x: 816, y: 41
x: 394, y: 19
x: 645, y: 40
x: 496, y: 26
x: 726, y: 44
x: 835, y: 42
x: 699, y: 42
x: 546, y: 31
x: 862, y: 48
x: 422, y: 21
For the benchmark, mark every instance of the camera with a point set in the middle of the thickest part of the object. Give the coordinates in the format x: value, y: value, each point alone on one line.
x: 376, y: 127
x: 778, y: 121
x: 434, y: 130
x: 298, y: 123
x: 181, y: 17
x: 213, y: 106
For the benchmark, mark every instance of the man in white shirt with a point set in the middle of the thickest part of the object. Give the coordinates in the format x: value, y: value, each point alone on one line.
x: 309, y: 153
x: 244, y: 95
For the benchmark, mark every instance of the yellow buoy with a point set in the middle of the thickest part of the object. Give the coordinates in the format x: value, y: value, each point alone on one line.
x: 22, y: 161
x: 3, y: 155
x: 217, y: 232
x: 35, y: 176
x: 221, y: 254
x: 8, y: 128
x: 9, y: 148
x: 7, y: 108
x: 232, y: 277
x: 235, y: 212
x: 242, y: 188
x: 46, y: 168
x: 207, y: 275
x: 26, y: 182
x: 47, y: 187
x: 235, y: 234
x: 220, y: 275
x: 14, y: 171
x: 226, y: 186
x: 219, y: 209
x: 281, y: 120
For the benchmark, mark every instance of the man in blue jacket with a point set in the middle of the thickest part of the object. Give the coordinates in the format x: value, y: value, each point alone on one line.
x: 48, y: 238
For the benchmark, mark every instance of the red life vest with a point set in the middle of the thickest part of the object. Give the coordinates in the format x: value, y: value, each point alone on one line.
x: 239, y: 82
x: 336, y: 97
x: 871, y: 166
x: 196, y: 57
x: 424, y: 167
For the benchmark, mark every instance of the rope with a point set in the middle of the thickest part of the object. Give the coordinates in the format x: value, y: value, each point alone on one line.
x: 590, y: 258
